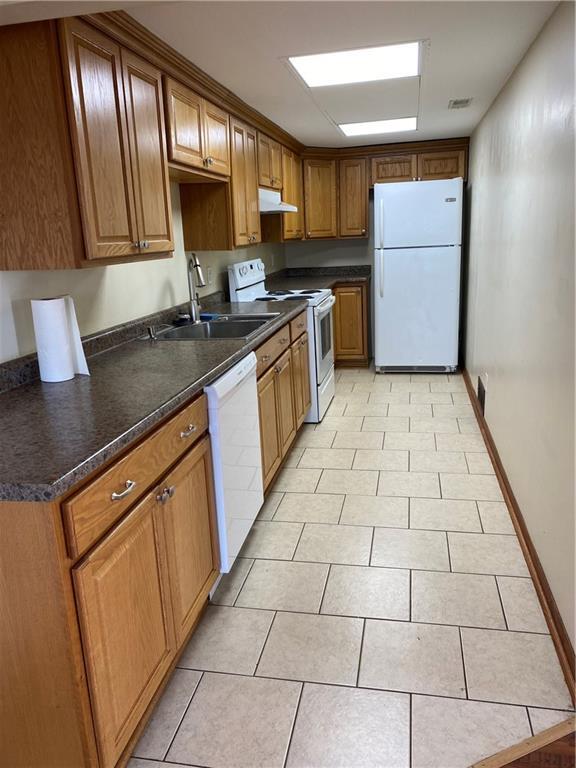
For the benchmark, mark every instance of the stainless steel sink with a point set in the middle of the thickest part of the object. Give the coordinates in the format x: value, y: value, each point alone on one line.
x: 213, y: 329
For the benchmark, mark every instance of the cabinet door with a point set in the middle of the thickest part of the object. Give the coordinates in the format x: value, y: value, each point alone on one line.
x: 301, y: 378
x: 394, y: 168
x: 350, y: 329
x: 189, y: 517
x: 269, y: 437
x: 147, y: 136
x: 292, y: 223
x: 216, y: 124
x: 239, y: 204
x: 285, y: 402
x: 127, y: 630
x: 184, y: 124
x: 441, y: 165
x: 353, y: 198
x: 93, y: 74
x: 252, y: 205
x: 269, y: 162
x: 320, y: 198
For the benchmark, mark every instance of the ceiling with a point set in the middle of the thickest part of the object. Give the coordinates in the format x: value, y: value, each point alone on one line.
x: 469, y: 50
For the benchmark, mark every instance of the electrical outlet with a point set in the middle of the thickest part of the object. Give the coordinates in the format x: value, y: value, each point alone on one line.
x: 210, y: 275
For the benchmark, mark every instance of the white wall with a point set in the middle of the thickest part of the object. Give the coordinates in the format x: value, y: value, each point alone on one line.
x: 106, y: 296
x: 520, y: 335
x: 332, y: 253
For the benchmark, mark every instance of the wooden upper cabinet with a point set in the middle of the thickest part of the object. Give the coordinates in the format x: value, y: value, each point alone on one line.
x: 146, y: 133
x: 394, y: 168
x: 353, y: 198
x: 245, y: 211
x: 197, y: 130
x: 216, y: 124
x: 127, y: 631
x: 269, y: 162
x: 292, y: 223
x: 442, y: 165
x: 93, y: 70
x: 320, y: 198
x: 184, y: 124
x: 189, y: 516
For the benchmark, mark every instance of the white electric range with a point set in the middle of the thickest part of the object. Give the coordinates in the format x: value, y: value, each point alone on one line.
x: 247, y: 281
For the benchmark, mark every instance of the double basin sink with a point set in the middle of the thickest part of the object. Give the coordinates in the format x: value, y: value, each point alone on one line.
x: 222, y: 327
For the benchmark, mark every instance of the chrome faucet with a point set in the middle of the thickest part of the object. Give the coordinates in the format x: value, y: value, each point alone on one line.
x: 195, y: 280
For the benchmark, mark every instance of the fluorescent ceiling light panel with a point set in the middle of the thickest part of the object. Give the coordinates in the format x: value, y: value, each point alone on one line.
x: 379, y: 126
x: 360, y: 66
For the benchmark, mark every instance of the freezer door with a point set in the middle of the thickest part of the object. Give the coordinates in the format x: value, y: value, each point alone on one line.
x: 416, y: 307
x: 410, y: 214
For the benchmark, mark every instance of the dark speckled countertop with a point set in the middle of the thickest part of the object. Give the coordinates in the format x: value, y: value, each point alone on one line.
x: 327, y: 277
x: 52, y: 436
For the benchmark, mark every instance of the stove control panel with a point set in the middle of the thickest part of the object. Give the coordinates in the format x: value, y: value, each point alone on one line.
x: 246, y: 275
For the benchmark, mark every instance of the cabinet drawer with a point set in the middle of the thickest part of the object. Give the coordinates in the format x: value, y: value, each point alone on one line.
x: 271, y: 350
x: 90, y: 512
x: 297, y: 326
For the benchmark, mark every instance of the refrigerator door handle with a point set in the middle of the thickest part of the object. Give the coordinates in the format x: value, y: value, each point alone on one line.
x: 380, y: 267
x: 381, y: 222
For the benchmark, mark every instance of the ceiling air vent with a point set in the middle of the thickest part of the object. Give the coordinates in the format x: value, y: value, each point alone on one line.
x: 459, y: 103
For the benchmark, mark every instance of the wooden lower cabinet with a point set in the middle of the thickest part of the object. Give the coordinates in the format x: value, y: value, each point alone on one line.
x: 189, y: 517
x: 278, y: 422
x: 301, y: 378
x: 127, y: 630
x: 140, y: 592
x: 269, y: 433
x: 351, y: 324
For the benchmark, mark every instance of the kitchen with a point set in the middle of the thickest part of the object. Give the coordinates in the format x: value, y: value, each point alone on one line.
x: 395, y: 586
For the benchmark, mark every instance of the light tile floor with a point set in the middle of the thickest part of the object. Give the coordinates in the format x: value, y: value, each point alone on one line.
x: 381, y: 613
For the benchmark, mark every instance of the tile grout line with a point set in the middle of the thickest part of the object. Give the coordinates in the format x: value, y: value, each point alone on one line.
x: 291, y: 559
x: 463, y: 662
x: 357, y: 685
x: 449, y: 556
x: 388, y: 690
x: 328, y: 572
x: 410, y: 731
x: 169, y: 747
x: 263, y: 646
x: 530, y: 721
x: 242, y: 585
x: 293, y: 726
x: 501, y: 602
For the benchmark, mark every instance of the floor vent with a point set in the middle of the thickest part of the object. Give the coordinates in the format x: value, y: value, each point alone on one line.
x: 481, y: 395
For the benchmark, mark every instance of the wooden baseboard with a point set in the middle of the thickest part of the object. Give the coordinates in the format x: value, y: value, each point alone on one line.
x: 558, y: 632
x: 552, y: 747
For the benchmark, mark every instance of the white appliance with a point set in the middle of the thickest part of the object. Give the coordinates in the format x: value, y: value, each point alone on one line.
x: 417, y: 241
x: 247, y: 281
x: 270, y: 201
x: 236, y: 458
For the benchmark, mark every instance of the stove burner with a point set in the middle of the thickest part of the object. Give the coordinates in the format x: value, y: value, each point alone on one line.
x: 265, y: 298
x: 310, y: 293
x: 300, y: 297
x: 279, y: 293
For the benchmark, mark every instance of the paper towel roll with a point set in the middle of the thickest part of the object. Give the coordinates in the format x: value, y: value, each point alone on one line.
x: 60, y: 352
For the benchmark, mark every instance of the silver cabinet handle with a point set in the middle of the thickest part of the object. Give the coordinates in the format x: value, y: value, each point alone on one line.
x: 190, y: 429
x: 284, y: 340
x: 129, y: 487
x: 166, y: 494
x: 145, y: 244
x: 277, y: 369
x: 265, y: 358
x: 303, y: 342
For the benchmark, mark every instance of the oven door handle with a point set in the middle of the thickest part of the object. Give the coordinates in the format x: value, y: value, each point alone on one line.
x: 325, y: 307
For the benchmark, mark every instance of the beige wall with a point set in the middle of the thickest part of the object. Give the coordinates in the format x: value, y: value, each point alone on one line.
x: 520, y: 336
x: 105, y: 296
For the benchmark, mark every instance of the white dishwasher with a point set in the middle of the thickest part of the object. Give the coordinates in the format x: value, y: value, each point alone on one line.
x: 236, y: 458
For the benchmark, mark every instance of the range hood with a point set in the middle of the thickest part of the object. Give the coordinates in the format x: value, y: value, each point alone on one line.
x: 270, y: 202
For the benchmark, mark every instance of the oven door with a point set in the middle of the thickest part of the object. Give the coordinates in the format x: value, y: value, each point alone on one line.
x: 324, y: 339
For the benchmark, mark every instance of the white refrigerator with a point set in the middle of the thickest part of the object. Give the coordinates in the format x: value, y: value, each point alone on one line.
x: 417, y: 242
